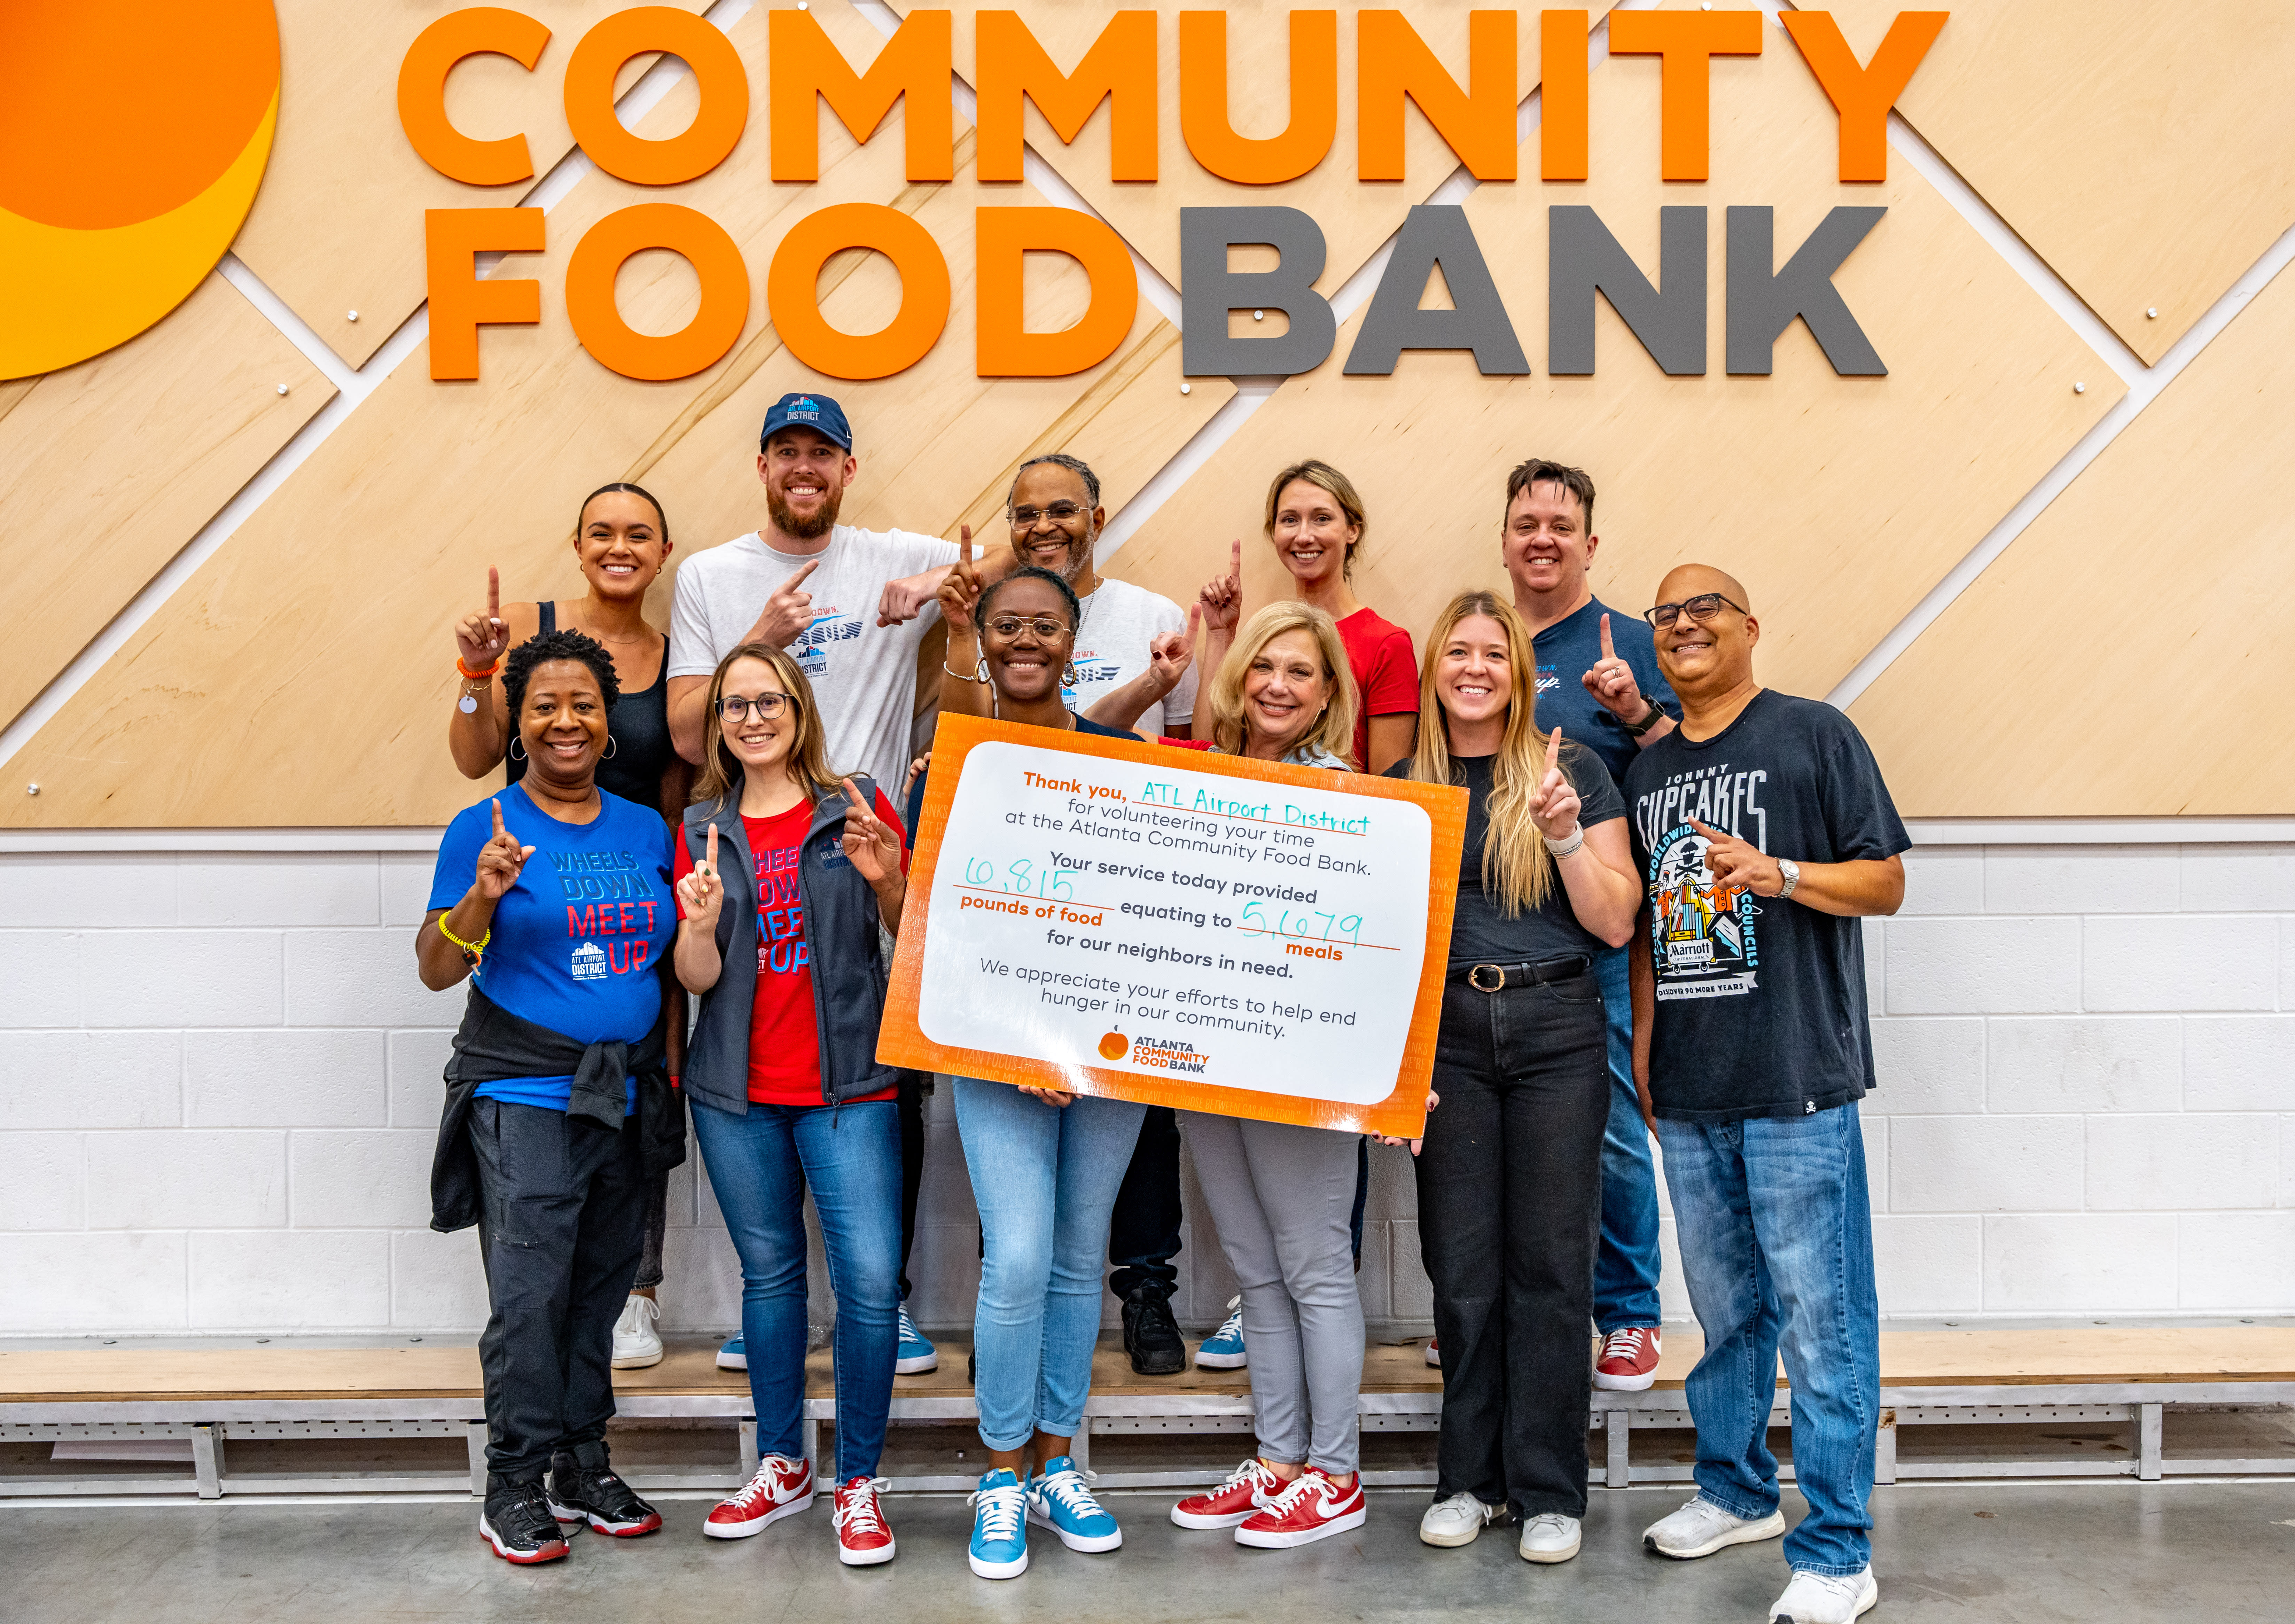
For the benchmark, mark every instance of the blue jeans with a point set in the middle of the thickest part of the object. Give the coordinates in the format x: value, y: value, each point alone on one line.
x: 760, y: 1166
x: 1626, y: 1262
x: 1776, y: 1241
x: 1044, y: 1180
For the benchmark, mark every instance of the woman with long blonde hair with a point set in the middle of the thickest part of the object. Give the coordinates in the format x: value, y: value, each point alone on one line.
x: 1510, y: 1170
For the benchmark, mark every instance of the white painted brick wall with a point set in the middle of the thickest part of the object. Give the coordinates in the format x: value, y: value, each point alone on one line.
x: 219, y: 1084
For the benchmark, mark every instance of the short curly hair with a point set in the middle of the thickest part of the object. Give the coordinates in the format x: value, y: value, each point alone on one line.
x: 1031, y: 572
x: 562, y: 644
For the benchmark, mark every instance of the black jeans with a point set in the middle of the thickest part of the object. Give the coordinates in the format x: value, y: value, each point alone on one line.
x: 1509, y: 1209
x: 563, y: 1222
x: 912, y: 1086
x: 656, y: 1234
x: 1143, y: 1231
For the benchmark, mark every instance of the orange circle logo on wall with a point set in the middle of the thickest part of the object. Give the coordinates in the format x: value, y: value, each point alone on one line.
x: 132, y: 136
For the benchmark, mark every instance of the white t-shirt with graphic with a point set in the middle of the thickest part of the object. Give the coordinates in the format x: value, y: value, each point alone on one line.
x: 864, y: 675
x: 1119, y: 621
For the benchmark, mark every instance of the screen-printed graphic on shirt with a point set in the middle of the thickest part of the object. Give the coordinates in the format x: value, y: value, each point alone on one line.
x: 1705, y: 935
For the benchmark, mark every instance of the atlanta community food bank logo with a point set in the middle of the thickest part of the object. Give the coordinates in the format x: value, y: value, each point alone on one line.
x: 1162, y: 1054
x: 132, y: 136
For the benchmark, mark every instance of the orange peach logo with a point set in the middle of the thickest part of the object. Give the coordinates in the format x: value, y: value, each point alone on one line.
x: 132, y: 136
x: 1112, y: 1046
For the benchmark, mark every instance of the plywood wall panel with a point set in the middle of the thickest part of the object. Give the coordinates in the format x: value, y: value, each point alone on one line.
x: 1355, y: 217
x: 382, y: 538
x: 108, y: 467
x: 2144, y: 603
x: 1839, y: 501
x: 2145, y: 150
x: 337, y: 226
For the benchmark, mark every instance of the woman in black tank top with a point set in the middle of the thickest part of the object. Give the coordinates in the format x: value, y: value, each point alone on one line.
x: 621, y: 541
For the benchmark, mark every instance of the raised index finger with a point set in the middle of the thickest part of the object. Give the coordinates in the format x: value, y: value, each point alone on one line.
x: 797, y: 580
x: 1709, y: 834
x: 493, y: 593
x: 712, y: 858
x: 964, y: 542
x: 499, y: 831
x: 1235, y: 560
x: 1609, y: 649
x: 852, y: 794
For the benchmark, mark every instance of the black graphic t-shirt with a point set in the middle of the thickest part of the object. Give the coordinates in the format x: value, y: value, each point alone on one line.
x: 1761, y: 1001
x: 1480, y: 933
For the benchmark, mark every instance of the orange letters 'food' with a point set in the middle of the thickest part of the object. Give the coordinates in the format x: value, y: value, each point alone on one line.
x: 460, y: 302
x: 597, y: 259
x: 1007, y: 349
x: 792, y: 290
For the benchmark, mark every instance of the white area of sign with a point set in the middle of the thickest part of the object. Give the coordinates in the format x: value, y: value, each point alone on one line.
x: 1249, y: 935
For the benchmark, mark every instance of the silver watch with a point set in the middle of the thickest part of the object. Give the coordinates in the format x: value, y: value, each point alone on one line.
x: 1791, y: 870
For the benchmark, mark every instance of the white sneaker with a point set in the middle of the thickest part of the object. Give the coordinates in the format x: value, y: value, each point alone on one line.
x: 1549, y: 1537
x: 1457, y: 1519
x: 636, y: 1343
x: 1814, y: 1598
x: 1702, y: 1528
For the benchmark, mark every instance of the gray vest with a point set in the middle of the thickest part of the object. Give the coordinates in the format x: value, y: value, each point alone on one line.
x: 842, y: 946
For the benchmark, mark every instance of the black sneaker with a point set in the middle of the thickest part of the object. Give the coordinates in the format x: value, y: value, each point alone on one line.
x: 516, y: 1521
x: 1151, y: 1336
x: 584, y: 1489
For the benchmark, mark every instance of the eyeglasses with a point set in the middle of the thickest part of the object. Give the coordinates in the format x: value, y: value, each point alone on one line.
x: 734, y: 709
x: 1059, y: 513
x: 1701, y: 608
x: 1008, y: 626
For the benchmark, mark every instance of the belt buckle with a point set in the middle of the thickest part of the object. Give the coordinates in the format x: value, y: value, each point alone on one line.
x: 1475, y: 978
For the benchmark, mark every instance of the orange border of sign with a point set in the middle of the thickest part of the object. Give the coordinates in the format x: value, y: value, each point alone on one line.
x: 1402, y: 1115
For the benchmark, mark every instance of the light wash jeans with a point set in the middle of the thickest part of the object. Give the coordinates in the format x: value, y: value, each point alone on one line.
x: 1626, y: 1263
x: 760, y: 1166
x: 1044, y: 1180
x: 1776, y: 1241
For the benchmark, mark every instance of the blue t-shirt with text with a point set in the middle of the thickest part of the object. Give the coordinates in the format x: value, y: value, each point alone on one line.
x: 1566, y: 651
x: 578, y: 941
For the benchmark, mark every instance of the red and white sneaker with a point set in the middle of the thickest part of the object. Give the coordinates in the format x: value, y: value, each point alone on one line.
x: 782, y: 1489
x: 1433, y: 1353
x: 1628, y: 1361
x: 1311, y: 1507
x: 1244, y: 1494
x: 862, y: 1540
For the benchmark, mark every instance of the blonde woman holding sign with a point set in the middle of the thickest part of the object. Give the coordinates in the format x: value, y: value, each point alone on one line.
x: 1282, y: 1195
x: 1510, y: 1170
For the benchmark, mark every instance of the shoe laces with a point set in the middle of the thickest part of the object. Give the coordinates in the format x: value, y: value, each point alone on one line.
x: 1293, y: 1492
x: 857, y: 1511
x: 1625, y: 1344
x: 1253, y: 1471
x: 1841, y: 1585
x: 1001, y: 1509
x: 1232, y: 1326
x: 1463, y: 1501
x: 908, y: 1329
x: 1072, y: 1488
x: 1552, y: 1520
x: 763, y: 1482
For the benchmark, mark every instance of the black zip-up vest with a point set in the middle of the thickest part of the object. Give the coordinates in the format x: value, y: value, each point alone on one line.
x: 842, y: 945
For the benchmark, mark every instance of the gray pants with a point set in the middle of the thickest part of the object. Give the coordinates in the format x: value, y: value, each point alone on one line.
x: 1282, y: 1198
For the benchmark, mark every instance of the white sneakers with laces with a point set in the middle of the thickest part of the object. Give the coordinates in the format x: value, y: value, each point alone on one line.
x: 1700, y: 1528
x: 1821, y: 1598
x: 636, y: 1343
x: 1550, y: 1537
x: 1459, y: 1520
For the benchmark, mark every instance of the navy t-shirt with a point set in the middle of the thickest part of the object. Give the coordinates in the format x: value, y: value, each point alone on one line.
x: 578, y: 941
x: 1566, y: 651
x: 1761, y: 1001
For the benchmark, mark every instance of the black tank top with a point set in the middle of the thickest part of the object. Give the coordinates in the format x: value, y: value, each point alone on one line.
x: 641, y: 751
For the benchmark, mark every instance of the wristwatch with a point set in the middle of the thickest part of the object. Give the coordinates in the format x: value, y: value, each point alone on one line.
x: 1635, y: 730
x: 1791, y: 870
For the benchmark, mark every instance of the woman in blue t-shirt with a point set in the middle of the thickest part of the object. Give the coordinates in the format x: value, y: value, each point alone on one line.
x: 1045, y: 1164
x: 552, y: 899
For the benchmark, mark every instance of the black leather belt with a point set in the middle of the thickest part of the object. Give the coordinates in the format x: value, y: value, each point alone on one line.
x: 1499, y: 977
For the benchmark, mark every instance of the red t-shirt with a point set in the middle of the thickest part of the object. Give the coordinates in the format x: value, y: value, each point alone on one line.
x: 1386, y: 671
x: 784, y: 1028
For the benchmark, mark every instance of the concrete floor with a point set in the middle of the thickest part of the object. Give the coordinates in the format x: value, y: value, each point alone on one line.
x: 2094, y: 1554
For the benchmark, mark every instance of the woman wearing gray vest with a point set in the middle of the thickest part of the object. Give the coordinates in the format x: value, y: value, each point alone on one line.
x: 786, y: 876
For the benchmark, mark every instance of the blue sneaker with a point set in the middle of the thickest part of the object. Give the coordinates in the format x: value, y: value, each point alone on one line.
x: 734, y: 1355
x: 1000, y: 1527
x: 1059, y: 1499
x: 1222, y: 1349
x: 916, y: 1355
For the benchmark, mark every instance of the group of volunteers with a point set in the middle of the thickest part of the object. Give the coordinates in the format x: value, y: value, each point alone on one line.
x: 1655, y: 932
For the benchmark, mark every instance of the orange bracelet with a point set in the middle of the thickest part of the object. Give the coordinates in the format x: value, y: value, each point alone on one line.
x: 476, y: 676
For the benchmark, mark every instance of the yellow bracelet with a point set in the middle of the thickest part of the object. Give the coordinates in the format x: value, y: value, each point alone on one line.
x: 472, y: 951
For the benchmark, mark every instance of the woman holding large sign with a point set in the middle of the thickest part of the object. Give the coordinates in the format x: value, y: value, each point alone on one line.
x: 1283, y: 1196
x: 782, y: 1071
x: 1045, y: 1165
x: 1510, y: 1170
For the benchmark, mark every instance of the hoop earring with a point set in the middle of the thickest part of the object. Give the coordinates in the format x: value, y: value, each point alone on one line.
x: 1070, y: 677
x: 612, y: 744
x: 515, y: 754
x: 980, y: 669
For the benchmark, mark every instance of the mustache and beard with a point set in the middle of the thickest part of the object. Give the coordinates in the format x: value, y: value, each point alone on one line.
x: 799, y: 527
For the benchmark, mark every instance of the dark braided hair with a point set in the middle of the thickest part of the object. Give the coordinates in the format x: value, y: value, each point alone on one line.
x: 563, y: 644
x: 1031, y: 572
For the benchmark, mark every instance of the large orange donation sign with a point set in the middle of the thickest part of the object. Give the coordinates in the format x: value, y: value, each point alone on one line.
x: 1148, y: 923
x: 1472, y: 107
x: 132, y: 136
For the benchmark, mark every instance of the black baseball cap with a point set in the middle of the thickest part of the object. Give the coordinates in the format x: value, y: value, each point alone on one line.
x: 815, y: 411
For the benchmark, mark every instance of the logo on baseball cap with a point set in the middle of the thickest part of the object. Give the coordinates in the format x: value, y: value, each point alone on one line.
x: 816, y: 412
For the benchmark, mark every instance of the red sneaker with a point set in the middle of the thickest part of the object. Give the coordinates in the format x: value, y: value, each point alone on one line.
x: 862, y: 1540
x: 1628, y: 1362
x: 1311, y: 1507
x: 782, y: 1487
x: 1433, y: 1353
x: 1244, y: 1494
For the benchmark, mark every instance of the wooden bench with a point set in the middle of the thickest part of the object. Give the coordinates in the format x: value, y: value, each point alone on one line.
x: 1929, y: 1379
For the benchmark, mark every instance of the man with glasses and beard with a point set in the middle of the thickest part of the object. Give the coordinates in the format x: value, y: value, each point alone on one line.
x: 1131, y: 658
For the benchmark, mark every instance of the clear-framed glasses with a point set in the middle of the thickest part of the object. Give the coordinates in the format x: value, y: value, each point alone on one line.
x: 1008, y: 626
x: 734, y: 709
x: 1059, y: 513
x: 1701, y: 608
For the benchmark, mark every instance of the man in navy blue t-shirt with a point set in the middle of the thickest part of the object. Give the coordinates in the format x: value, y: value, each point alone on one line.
x: 1599, y: 681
